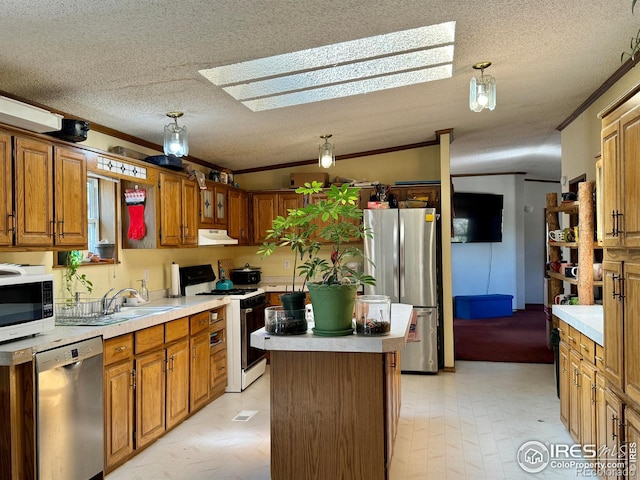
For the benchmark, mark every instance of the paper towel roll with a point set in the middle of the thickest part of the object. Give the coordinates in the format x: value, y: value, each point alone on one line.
x: 175, y: 280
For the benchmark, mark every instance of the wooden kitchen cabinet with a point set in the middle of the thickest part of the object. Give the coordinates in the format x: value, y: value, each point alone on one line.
x: 574, y: 395
x: 6, y: 191
x: 200, y: 361
x: 347, y: 419
x: 177, y: 399
x: 238, y: 216
x: 621, y: 175
x: 70, y: 175
x: 614, y: 432
x: 119, y: 411
x: 33, y: 192
x: 613, y: 326
x: 44, y: 175
x: 178, y: 211
x: 150, y: 397
x: 267, y: 206
x: 565, y: 383
x: 218, y: 357
x: 587, y: 394
x: 213, y: 206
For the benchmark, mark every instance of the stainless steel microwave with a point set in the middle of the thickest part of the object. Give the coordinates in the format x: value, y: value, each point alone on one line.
x: 26, y: 305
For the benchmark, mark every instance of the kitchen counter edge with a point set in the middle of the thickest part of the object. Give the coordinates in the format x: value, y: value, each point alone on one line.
x: 401, y: 315
x: 21, y: 351
x: 587, y: 319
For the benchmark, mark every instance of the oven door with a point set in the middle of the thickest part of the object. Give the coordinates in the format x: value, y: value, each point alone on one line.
x: 251, y: 320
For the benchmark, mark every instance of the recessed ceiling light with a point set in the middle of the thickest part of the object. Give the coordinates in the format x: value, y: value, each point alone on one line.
x: 342, y: 69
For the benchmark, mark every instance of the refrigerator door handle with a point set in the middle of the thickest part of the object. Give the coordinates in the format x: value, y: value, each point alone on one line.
x: 401, y: 262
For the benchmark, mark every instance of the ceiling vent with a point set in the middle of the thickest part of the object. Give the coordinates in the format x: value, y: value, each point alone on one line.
x: 28, y: 117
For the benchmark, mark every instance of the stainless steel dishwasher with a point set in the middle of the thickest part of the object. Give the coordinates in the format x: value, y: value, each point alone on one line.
x: 69, y: 412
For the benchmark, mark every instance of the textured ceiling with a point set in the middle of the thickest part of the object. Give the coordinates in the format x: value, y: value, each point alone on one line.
x: 125, y: 64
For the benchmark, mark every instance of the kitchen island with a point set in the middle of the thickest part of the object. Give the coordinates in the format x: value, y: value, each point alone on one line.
x: 335, y: 402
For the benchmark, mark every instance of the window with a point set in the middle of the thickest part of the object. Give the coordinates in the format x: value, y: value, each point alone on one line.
x: 93, y: 213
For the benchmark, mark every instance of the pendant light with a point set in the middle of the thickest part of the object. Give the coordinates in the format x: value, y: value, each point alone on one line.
x: 482, y: 91
x: 326, y: 153
x: 175, y: 137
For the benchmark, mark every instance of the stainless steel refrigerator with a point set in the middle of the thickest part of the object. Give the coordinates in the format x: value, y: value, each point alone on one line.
x: 402, y: 250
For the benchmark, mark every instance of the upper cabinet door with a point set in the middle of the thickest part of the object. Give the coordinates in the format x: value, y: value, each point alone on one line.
x: 70, y: 174
x: 190, y: 191
x: 170, y: 210
x: 629, y: 175
x: 6, y: 191
x: 34, y: 192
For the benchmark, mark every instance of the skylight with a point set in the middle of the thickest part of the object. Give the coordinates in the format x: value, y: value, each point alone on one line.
x: 349, y: 68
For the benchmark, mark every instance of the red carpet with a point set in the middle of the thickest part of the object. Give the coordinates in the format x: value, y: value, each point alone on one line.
x: 521, y: 338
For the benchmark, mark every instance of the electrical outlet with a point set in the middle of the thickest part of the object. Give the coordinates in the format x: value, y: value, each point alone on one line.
x: 146, y: 274
x: 287, y: 264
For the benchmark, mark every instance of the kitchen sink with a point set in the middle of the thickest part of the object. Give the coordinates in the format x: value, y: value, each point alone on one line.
x: 126, y: 313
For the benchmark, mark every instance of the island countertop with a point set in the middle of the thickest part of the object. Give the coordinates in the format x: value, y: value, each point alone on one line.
x: 308, y: 342
x: 587, y: 319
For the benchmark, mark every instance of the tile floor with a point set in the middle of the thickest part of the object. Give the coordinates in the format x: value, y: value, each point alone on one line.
x: 467, y: 425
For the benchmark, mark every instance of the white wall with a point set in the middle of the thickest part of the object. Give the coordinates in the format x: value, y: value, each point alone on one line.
x: 484, y: 268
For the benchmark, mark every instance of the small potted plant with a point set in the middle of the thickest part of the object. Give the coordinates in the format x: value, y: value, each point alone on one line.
x: 336, y: 221
x: 71, y: 275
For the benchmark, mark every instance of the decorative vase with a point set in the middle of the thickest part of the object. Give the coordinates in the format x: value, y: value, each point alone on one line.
x: 332, y: 309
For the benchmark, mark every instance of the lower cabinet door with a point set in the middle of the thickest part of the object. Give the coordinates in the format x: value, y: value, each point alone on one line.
x: 150, y: 397
x: 177, y: 383
x: 199, y: 384
x: 565, y: 383
x: 118, y: 410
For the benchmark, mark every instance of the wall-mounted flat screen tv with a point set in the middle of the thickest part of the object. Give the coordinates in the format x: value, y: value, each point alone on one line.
x: 477, y: 217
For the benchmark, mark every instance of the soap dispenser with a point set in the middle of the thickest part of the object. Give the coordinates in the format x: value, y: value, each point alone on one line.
x: 144, y: 293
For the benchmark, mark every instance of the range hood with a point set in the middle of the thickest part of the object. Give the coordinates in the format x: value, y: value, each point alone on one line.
x: 208, y: 237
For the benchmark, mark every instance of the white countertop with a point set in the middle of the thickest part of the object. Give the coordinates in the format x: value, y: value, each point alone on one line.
x: 587, y: 319
x: 308, y: 342
x: 20, y: 351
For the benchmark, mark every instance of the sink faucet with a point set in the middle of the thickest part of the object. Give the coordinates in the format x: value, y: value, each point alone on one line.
x: 107, y: 302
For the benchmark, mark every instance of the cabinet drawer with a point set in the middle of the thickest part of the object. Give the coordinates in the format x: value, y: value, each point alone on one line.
x: 573, y: 339
x: 149, y: 338
x: 118, y: 348
x: 563, y: 329
x: 176, y: 329
x: 199, y: 322
x: 587, y: 348
x: 599, y: 357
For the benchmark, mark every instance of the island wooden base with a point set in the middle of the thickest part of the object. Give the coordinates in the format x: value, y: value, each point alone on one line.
x: 333, y: 415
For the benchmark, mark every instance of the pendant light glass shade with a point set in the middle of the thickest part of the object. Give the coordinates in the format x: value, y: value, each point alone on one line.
x: 175, y: 137
x: 482, y: 91
x: 326, y: 153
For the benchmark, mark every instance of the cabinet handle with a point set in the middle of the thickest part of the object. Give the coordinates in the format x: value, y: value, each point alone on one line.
x: 621, y: 288
x: 613, y: 277
x: 614, y: 425
x: 171, y: 369
x: 12, y: 217
x: 584, y: 347
x: 194, y: 352
x: 133, y: 379
x: 61, y: 234
x: 53, y: 229
x: 599, y: 359
x: 203, y: 322
x: 122, y: 348
x: 570, y: 338
x: 594, y: 389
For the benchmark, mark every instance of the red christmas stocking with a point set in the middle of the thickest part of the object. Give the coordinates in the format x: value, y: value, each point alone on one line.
x: 137, y: 228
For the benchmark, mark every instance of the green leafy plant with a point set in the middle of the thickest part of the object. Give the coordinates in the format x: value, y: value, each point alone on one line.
x: 341, y: 224
x: 71, y: 275
x: 634, y: 44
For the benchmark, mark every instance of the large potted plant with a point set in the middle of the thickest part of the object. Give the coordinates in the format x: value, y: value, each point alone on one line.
x: 332, y: 284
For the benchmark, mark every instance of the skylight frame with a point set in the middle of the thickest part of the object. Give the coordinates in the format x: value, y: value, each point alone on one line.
x: 342, y: 69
